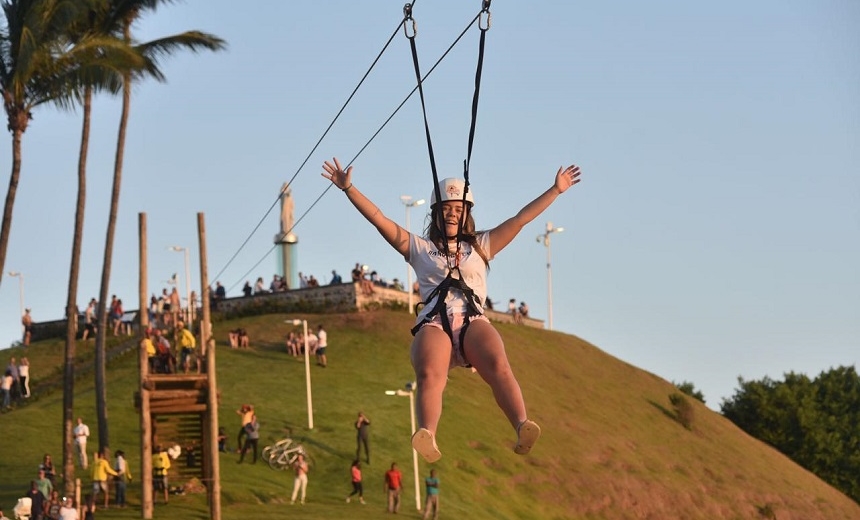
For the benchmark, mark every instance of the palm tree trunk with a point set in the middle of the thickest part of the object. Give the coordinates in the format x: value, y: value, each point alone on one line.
x: 71, y: 302
x: 101, y: 388
x: 5, y: 227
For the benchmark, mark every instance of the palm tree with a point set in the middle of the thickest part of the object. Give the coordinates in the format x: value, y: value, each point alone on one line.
x: 124, y: 13
x: 42, y: 62
x: 102, y: 61
x: 28, y: 74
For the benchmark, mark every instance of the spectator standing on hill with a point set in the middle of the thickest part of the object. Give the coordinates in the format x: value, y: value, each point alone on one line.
x: 122, y: 479
x: 362, y: 434
x: 24, y: 377
x: 222, y: 439
x: 451, y: 263
x: 515, y: 312
x: 116, y: 313
x: 37, y: 501
x: 335, y: 278
x: 12, y: 369
x: 252, y: 436
x: 357, y: 486
x: 259, y: 287
x: 246, y: 412
x: 322, y: 344
x: 68, y: 511
x: 431, y: 485
x: 247, y: 290
x: 47, y: 466
x: 301, y: 481
x: 52, y: 506
x: 6, y: 389
x: 160, y: 467
x: 90, y: 319
x: 27, y: 322
x: 81, y: 432
x: 393, y: 485
x: 220, y: 291
x: 44, y: 483
x: 524, y: 311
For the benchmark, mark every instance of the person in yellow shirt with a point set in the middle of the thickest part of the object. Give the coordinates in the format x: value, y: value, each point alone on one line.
x: 147, y: 345
x: 186, y: 343
x: 101, y: 469
x: 160, y: 466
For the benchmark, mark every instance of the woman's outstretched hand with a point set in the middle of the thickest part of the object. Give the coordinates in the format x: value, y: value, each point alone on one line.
x: 337, y: 175
x: 566, y: 177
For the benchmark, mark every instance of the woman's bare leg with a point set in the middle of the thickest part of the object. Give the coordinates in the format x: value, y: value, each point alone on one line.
x: 486, y: 352
x: 431, y: 356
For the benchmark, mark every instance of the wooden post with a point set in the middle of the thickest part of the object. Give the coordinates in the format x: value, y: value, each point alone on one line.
x: 213, y: 462
x: 145, y: 417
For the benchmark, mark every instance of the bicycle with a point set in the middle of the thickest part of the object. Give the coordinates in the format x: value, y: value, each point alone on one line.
x: 283, y: 454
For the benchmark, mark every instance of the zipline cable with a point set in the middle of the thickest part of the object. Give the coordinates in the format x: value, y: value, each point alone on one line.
x: 342, y: 108
x: 360, y: 151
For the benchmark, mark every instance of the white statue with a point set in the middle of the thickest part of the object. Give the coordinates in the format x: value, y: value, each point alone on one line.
x: 287, y: 221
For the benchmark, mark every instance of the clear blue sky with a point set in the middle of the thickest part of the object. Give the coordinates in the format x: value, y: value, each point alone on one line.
x: 716, y: 232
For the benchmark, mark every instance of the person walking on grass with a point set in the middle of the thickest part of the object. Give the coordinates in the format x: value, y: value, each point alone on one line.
x: 451, y: 262
x: 357, y: 486
x: 101, y: 470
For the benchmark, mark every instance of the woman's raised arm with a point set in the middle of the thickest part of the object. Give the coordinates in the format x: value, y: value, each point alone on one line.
x: 390, y: 230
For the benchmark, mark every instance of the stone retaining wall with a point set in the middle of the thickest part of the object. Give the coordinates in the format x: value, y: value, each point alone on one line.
x: 345, y: 297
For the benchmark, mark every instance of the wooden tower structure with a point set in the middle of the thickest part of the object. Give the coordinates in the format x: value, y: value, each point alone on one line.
x: 177, y: 408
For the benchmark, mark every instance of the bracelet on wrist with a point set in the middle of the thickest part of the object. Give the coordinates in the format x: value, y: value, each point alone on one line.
x: 347, y: 188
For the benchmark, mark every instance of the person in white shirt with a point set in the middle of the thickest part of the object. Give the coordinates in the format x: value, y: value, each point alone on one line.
x: 451, y: 263
x: 68, y: 511
x: 322, y: 343
x: 81, y: 432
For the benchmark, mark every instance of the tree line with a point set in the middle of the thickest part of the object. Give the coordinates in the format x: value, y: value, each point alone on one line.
x: 815, y: 422
x: 61, y: 53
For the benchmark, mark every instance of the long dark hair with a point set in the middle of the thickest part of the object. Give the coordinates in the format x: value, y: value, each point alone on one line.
x: 467, y: 234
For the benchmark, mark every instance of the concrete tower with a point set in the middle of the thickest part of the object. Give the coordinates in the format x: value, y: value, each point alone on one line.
x: 286, y: 241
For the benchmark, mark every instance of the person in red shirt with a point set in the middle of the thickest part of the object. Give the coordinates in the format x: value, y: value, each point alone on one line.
x: 393, y: 484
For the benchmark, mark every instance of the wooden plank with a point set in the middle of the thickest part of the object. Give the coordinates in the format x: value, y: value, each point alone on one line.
x: 176, y: 394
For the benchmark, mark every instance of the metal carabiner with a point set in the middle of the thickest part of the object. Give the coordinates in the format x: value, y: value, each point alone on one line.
x: 485, y: 9
x: 407, y: 16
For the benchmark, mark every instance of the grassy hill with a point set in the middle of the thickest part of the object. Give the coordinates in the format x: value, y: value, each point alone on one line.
x: 611, y: 448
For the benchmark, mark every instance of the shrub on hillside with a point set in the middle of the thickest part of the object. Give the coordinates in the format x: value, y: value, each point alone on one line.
x: 683, y: 410
x: 689, y: 389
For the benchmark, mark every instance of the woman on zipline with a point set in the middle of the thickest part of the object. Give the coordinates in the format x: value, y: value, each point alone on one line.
x: 451, y: 329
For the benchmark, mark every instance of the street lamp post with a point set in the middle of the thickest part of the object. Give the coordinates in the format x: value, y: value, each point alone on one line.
x: 189, y: 317
x: 20, y: 277
x: 410, y: 391
x: 409, y: 203
x: 307, y: 372
x: 545, y: 238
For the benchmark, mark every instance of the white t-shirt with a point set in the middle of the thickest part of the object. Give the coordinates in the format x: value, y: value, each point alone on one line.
x: 323, y: 339
x: 431, y: 269
x: 81, y: 431
x: 68, y: 513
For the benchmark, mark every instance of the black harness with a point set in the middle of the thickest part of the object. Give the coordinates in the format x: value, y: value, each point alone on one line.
x: 473, y: 308
x: 473, y: 302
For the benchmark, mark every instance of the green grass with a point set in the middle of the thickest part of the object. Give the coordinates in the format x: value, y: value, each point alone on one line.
x: 612, y: 447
